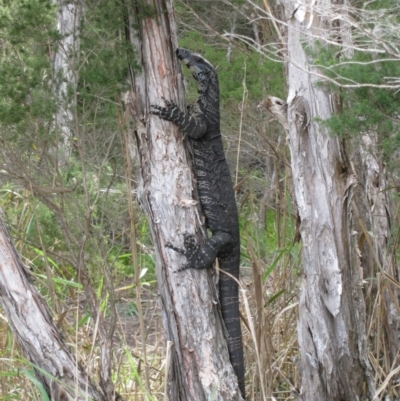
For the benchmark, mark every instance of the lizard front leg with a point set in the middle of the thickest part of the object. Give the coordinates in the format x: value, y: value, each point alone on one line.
x: 191, y: 126
x: 169, y: 113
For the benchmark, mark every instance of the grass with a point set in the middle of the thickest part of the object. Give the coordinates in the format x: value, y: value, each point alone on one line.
x: 268, y: 306
x: 269, y: 287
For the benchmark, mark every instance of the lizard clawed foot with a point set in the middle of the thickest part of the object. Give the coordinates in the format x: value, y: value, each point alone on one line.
x: 174, y: 248
x: 170, y: 103
x: 169, y: 113
x: 191, y: 248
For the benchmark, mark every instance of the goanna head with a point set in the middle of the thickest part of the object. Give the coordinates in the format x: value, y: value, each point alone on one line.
x: 202, y: 71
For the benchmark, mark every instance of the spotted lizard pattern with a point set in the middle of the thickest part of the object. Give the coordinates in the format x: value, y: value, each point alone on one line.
x: 201, y: 124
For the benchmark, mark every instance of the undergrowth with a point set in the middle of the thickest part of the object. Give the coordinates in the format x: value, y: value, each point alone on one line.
x: 268, y: 283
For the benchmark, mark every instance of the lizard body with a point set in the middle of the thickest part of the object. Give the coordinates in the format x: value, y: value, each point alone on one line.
x: 202, y: 125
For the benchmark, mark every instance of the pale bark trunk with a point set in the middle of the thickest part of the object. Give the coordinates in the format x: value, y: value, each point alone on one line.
x: 331, y: 327
x: 200, y: 363
x: 66, y: 74
x: 31, y: 324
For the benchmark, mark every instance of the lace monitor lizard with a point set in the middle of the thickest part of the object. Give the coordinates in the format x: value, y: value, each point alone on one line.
x: 202, y: 125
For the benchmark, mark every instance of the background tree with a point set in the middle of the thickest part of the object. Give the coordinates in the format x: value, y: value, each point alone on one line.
x: 358, y: 62
x: 66, y: 73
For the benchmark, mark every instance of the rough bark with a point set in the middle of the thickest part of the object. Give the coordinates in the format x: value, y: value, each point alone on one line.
x: 374, y: 182
x: 32, y: 326
x: 200, y: 363
x: 66, y: 73
x: 331, y: 327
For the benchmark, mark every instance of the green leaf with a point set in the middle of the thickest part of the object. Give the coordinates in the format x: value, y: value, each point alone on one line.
x: 31, y: 376
x: 273, y: 265
x: 275, y: 296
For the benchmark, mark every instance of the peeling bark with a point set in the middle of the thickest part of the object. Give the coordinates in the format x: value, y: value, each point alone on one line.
x: 331, y: 327
x: 66, y: 73
x: 192, y: 322
x: 31, y: 324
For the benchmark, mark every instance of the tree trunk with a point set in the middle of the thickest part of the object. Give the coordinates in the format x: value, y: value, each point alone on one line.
x: 373, y: 177
x: 61, y: 375
x: 66, y: 74
x: 191, y: 317
x: 331, y: 327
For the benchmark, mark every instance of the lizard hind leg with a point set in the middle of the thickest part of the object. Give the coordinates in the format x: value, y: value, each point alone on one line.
x: 200, y: 257
x: 189, y: 243
x: 191, y: 249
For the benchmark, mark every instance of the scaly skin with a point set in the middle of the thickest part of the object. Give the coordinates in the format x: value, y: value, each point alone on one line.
x: 217, y: 198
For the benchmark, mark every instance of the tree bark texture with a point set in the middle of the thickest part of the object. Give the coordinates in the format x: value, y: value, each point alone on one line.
x: 66, y: 72
x: 191, y: 317
x: 331, y: 327
x: 32, y: 326
x: 374, y: 182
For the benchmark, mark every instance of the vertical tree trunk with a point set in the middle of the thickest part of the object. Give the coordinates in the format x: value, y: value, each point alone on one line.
x: 66, y: 73
x: 200, y: 363
x: 331, y: 327
x: 61, y: 375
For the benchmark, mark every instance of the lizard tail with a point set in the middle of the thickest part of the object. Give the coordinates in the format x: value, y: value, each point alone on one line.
x: 229, y: 298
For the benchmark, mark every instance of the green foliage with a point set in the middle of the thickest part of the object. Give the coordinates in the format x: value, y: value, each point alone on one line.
x: 104, y: 49
x: 104, y: 54
x: 30, y: 374
x: 364, y: 107
x: 26, y: 32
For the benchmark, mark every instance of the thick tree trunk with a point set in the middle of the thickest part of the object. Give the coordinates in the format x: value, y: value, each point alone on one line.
x: 331, y: 328
x: 33, y: 328
x: 200, y: 363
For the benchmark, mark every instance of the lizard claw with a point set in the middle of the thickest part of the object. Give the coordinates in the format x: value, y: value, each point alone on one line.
x: 181, y: 269
x: 169, y: 103
x: 174, y: 248
x: 169, y: 113
x: 158, y: 110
